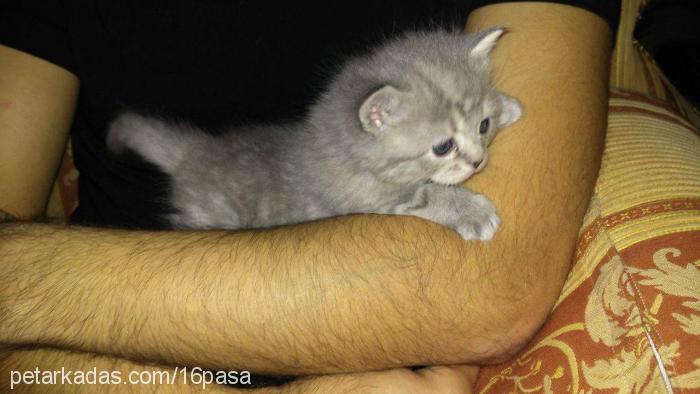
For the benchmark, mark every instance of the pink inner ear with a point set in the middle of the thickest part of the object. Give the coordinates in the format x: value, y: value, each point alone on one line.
x: 376, y: 114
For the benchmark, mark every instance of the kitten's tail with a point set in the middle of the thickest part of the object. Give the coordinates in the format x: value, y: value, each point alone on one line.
x: 156, y: 141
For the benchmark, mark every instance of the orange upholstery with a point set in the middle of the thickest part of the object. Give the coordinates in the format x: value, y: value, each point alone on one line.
x: 628, y: 318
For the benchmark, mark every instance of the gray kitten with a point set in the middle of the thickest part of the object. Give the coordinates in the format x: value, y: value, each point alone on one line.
x: 395, y: 131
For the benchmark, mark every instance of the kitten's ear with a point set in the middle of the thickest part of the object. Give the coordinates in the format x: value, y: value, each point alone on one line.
x: 486, y: 40
x: 511, y: 110
x: 380, y: 109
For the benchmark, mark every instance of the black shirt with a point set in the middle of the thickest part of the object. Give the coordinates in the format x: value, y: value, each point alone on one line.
x: 211, y: 62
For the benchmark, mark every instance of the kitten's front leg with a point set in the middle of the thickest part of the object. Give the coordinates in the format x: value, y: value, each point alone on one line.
x: 470, y: 214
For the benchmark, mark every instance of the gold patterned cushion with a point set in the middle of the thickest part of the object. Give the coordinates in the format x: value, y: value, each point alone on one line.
x: 628, y: 318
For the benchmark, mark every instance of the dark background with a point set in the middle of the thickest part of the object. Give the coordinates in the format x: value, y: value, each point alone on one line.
x: 670, y: 31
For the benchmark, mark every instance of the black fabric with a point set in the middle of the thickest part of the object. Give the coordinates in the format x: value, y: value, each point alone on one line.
x: 669, y: 30
x: 211, y: 62
x: 39, y: 28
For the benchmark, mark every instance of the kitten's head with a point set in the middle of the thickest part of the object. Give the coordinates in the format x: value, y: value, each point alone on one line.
x: 433, y: 112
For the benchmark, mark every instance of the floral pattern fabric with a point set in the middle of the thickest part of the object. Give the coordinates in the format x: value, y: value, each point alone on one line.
x: 628, y: 317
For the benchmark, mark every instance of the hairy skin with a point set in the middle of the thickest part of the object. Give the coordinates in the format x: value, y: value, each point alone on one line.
x: 340, y: 295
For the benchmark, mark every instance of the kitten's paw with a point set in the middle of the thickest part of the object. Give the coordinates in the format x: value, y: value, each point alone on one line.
x: 481, y: 222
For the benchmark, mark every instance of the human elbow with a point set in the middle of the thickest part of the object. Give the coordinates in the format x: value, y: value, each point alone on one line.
x: 490, y: 330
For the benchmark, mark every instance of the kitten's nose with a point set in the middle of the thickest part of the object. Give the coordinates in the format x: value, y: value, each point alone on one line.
x: 476, y: 164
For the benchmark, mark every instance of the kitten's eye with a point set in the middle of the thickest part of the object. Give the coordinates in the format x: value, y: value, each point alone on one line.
x: 484, y: 126
x: 444, y: 148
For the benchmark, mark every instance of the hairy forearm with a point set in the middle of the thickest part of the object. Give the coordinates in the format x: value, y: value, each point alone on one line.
x: 292, y: 300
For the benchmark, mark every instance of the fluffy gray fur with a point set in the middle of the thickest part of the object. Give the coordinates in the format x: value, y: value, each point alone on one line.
x: 366, y: 146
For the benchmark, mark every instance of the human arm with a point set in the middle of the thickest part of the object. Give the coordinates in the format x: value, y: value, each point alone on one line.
x: 37, y: 101
x: 217, y: 299
x: 131, y: 376
x: 352, y: 293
